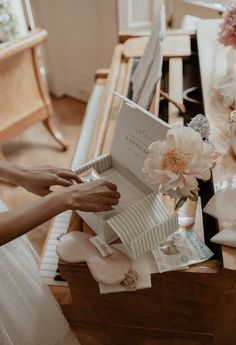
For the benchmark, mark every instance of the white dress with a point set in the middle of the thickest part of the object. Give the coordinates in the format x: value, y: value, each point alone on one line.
x: 29, y: 314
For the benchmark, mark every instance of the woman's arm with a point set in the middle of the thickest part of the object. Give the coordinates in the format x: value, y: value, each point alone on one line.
x: 37, y: 180
x: 90, y: 197
x: 16, y: 222
x: 9, y: 171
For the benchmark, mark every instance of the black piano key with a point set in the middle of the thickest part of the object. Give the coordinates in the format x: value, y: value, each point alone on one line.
x: 59, y: 278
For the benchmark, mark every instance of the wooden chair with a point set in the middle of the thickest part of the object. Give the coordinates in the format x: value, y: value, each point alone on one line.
x: 24, y: 99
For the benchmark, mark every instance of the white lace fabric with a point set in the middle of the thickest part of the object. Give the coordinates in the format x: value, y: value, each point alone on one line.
x: 29, y: 314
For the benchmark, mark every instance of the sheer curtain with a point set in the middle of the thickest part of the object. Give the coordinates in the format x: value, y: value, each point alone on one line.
x: 12, y: 20
x: 18, y: 13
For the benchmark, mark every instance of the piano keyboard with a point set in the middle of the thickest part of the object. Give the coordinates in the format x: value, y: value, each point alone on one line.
x: 49, y: 264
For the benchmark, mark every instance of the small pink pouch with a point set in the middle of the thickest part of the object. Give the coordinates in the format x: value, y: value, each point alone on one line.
x: 116, y: 268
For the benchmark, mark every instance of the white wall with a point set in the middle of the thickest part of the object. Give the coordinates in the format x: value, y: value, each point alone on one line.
x: 82, y: 36
x: 136, y: 15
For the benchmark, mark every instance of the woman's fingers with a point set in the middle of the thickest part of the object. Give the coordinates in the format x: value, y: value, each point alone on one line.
x: 111, y: 201
x: 64, y: 173
x: 95, y: 196
x: 63, y: 182
x: 111, y: 194
x: 70, y: 175
x: 108, y: 184
x: 102, y: 208
x: 42, y: 191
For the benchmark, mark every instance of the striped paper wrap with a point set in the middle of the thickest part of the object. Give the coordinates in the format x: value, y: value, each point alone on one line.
x: 143, y: 225
x: 100, y: 164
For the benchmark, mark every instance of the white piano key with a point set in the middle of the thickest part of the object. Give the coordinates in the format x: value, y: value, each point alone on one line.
x: 49, y: 267
x: 50, y: 260
x: 53, y: 242
x: 61, y: 226
x: 87, y: 130
x: 49, y: 254
x: 48, y: 273
x: 51, y: 281
x: 54, y: 236
x: 51, y: 247
x: 62, y: 221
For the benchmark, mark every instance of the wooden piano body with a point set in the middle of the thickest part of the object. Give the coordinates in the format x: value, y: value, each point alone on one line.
x: 195, y: 306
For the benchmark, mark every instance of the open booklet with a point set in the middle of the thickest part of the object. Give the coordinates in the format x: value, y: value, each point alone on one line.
x: 136, y: 129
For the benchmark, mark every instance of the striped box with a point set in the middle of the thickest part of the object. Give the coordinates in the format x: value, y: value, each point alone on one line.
x: 142, y: 226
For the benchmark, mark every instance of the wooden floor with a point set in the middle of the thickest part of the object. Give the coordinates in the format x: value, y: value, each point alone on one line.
x: 35, y: 147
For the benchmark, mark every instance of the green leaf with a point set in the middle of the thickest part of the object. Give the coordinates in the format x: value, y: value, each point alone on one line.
x: 180, y: 202
x: 193, y: 196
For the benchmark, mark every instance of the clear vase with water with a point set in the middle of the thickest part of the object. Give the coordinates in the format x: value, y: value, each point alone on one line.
x: 232, y: 130
x: 185, y: 209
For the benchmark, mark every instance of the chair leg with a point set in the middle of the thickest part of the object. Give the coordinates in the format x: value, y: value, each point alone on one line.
x: 55, y: 133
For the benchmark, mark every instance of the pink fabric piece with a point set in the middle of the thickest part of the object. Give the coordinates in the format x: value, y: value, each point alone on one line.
x: 75, y: 247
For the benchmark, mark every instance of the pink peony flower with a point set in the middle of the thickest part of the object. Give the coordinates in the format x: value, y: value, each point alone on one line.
x: 227, y: 34
x: 176, y: 163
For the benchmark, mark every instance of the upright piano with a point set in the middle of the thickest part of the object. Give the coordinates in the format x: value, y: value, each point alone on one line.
x: 194, y: 306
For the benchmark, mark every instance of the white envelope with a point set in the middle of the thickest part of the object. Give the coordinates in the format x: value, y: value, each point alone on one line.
x: 226, y: 237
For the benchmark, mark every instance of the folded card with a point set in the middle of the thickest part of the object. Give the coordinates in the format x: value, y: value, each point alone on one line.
x: 223, y: 205
x: 226, y: 237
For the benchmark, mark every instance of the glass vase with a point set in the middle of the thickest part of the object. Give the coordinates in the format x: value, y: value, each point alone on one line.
x: 232, y: 130
x: 186, y: 211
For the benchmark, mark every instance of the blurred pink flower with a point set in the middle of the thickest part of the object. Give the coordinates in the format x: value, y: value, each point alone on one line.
x: 176, y: 163
x: 227, y: 34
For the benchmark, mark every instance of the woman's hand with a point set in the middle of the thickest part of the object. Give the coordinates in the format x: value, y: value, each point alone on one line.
x: 95, y: 196
x: 38, y: 180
